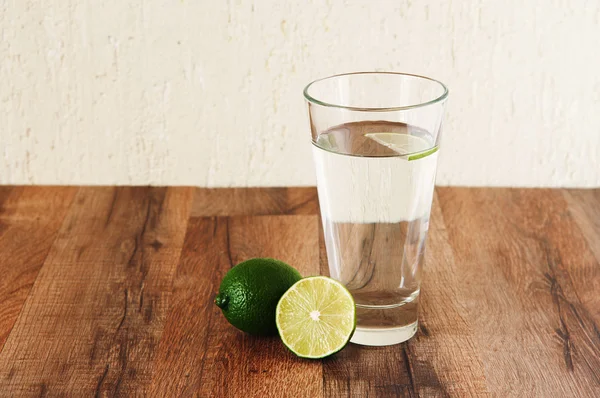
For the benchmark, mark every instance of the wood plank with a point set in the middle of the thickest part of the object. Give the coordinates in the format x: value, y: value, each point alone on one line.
x: 509, y: 305
x: 30, y: 218
x: 254, y: 201
x: 533, y: 282
x: 360, y: 371
x: 584, y: 206
x: 200, y: 353
x: 444, y: 357
x: 442, y: 360
x: 96, y: 311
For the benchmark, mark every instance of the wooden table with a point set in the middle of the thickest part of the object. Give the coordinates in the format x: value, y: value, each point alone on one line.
x: 108, y: 291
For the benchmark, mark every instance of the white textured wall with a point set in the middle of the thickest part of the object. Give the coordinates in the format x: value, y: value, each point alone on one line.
x: 208, y: 93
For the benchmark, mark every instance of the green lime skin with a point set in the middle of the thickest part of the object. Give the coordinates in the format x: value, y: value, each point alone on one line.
x: 250, y: 291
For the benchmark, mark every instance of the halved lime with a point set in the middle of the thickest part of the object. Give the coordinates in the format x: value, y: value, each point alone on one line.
x: 409, y: 146
x: 316, y: 317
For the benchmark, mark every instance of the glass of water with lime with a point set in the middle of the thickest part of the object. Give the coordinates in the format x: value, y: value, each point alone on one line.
x: 375, y: 140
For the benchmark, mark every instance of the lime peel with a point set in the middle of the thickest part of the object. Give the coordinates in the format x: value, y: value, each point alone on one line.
x: 249, y: 293
x: 424, y: 153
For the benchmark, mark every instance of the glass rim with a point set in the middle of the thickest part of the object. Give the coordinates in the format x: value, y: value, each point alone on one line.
x: 313, y: 100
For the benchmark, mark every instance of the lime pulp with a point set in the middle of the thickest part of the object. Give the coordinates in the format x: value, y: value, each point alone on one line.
x: 408, y: 146
x: 316, y: 317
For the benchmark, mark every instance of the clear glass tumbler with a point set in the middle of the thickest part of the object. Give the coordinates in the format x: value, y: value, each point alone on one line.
x: 375, y: 142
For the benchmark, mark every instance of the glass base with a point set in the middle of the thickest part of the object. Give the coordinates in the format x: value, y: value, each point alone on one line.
x: 384, y: 336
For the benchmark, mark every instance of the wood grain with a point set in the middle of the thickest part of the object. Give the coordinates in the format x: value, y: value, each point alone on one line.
x: 444, y: 357
x: 531, y: 279
x: 584, y: 206
x: 359, y: 371
x: 200, y: 353
x: 109, y: 292
x: 30, y: 218
x: 442, y: 360
x: 254, y: 201
x: 95, y: 313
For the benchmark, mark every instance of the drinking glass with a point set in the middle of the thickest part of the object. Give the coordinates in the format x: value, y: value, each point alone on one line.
x: 375, y: 140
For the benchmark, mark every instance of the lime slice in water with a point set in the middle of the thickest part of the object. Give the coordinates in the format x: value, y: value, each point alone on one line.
x: 316, y: 317
x: 409, y: 146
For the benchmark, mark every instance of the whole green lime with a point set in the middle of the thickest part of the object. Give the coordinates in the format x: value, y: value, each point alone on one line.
x: 249, y: 293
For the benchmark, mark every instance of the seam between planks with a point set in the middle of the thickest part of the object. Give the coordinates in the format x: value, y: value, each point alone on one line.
x: 169, y: 294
